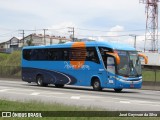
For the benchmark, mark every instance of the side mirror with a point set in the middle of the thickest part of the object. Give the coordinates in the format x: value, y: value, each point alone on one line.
x: 145, y: 57
x: 116, y: 56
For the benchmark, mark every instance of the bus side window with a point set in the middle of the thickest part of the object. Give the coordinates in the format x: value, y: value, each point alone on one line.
x: 102, y: 52
x: 59, y: 55
x: 92, y: 55
x: 111, y: 65
x: 66, y: 54
x: 26, y: 54
x: 77, y: 54
x: 34, y: 54
x: 52, y: 54
x: 42, y: 54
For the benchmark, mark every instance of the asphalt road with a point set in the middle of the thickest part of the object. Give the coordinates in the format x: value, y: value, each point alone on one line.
x: 127, y: 100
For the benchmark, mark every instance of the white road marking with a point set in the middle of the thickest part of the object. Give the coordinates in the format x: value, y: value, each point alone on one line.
x: 121, y: 99
x: 2, y: 87
x: 52, y: 93
x: 124, y: 102
x: 34, y: 93
x: 4, y: 90
x: 140, y: 101
x: 7, y: 81
x: 19, y: 90
x: 92, y: 97
x: 75, y: 97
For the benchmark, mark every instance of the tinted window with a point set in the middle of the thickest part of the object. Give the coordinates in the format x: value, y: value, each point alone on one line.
x: 77, y: 54
x: 65, y: 54
x: 42, y: 54
x: 52, y: 54
x: 104, y: 57
x: 92, y: 55
x: 104, y: 49
x: 55, y: 54
x: 26, y: 54
x: 46, y: 54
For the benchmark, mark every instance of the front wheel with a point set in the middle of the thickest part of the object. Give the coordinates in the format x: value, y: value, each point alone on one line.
x: 96, y: 85
x: 117, y: 90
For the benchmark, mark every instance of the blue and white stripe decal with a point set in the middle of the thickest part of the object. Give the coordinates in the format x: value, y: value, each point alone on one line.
x: 50, y: 76
x: 125, y: 79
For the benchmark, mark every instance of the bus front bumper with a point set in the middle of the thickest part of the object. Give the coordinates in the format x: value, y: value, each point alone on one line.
x: 135, y: 84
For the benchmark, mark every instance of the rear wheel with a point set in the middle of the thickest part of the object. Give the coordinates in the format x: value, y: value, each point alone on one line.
x: 40, y: 82
x: 117, y: 90
x: 59, y: 85
x: 96, y: 85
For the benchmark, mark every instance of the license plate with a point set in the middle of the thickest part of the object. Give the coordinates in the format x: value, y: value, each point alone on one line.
x: 132, y: 85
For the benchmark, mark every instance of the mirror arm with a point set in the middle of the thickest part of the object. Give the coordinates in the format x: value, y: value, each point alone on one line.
x: 145, y: 57
x: 116, y: 56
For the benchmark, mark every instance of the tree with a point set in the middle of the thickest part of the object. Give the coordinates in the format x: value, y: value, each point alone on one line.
x: 30, y: 42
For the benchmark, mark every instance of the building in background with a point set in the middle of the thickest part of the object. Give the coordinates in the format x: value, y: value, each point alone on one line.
x: 12, y: 43
x: 39, y: 39
x: 31, y: 40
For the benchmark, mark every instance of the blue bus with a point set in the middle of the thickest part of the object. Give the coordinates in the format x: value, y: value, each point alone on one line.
x: 97, y: 64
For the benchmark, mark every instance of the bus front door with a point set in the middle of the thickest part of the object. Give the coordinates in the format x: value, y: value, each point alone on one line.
x: 111, y: 71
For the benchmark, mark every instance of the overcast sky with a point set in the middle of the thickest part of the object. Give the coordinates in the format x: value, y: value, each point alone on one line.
x: 122, y: 16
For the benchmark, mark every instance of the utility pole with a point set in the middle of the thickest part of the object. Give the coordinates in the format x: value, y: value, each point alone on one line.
x: 72, y: 31
x: 45, y: 36
x: 22, y: 35
x: 135, y: 36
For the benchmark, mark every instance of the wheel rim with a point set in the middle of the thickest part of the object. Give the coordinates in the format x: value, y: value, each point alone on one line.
x: 39, y: 81
x: 96, y: 84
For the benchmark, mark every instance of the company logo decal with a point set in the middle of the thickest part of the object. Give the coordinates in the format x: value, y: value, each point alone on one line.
x: 78, y: 55
x: 78, y: 65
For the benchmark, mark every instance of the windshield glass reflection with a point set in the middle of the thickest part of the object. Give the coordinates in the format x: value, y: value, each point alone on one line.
x: 130, y: 64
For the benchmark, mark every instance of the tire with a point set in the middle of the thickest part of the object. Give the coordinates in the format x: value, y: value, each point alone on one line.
x: 40, y: 82
x: 118, y: 90
x: 59, y: 85
x: 96, y: 85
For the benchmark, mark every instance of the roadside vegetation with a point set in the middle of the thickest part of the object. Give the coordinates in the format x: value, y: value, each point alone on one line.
x: 10, y: 64
x: 39, y: 106
x: 151, y: 75
x: 13, y: 59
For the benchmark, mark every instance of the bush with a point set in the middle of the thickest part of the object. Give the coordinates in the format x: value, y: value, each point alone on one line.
x: 10, y: 64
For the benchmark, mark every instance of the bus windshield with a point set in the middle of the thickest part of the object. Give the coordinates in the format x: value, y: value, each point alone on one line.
x: 129, y: 64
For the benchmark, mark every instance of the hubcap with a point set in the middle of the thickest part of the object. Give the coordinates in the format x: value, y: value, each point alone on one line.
x: 96, y: 84
x: 39, y: 81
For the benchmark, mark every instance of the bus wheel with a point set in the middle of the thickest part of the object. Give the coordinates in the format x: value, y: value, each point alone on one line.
x: 117, y: 90
x: 39, y: 80
x: 96, y: 85
x: 59, y: 85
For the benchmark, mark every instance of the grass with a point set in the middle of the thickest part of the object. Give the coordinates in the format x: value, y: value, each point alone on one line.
x: 39, y: 106
x: 10, y: 64
x: 13, y: 59
x: 3, y: 56
x: 149, y: 75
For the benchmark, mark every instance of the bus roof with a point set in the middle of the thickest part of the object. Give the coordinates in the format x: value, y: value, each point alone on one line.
x: 117, y: 46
